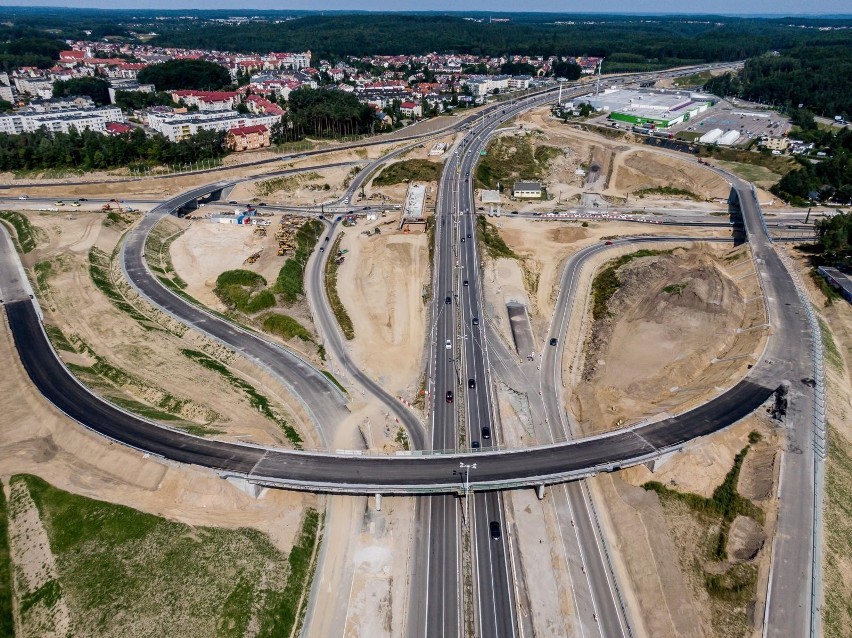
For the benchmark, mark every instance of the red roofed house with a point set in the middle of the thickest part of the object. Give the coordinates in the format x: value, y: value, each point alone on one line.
x: 411, y: 109
x: 115, y: 128
x: 72, y: 56
x: 247, y: 138
x: 259, y: 104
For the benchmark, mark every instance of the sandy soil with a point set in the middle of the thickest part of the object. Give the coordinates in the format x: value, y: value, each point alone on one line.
x: 381, y: 285
x: 657, y: 339
x: 669, y: 597
x: 75, y: 305
x: 544, y: 247
x: 636, y: 169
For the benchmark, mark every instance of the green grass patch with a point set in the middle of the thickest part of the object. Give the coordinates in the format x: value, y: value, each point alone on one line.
x: 244, y: 290
x: 837, y: 525
x: 43, y: 271
x: 290, y: 284
x: 831, y: 294
x: 490, y: 239
x: 832, y: 352
x: 412, y: 170
x: 121, y: 568
x: 668, y: 191
x: 286, y: 182
x: 286, y: 610
x: 694, y: 80
x: 157, y: 251
x: 343, y: 318
x: 26, y: 235
x: 674, y: 289
x: 513, y: 158
x: 257, y: 400
x: 607, y: 283
x: 334, y: 380
x: 58, y: 338
x: 726, y: 503
x: 99, y: 272
x: 285, y: 326
x: 761, y: 176
x: 7, y: 624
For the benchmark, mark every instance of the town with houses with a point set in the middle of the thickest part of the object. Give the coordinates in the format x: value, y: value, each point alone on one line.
x: 263, y: 84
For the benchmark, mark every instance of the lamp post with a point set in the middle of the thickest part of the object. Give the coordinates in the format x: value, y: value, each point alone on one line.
x: 467, y: 467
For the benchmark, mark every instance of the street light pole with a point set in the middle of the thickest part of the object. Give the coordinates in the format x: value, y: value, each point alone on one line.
x: 467, y: 468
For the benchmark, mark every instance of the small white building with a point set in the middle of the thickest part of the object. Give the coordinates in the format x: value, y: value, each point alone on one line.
x: 527, y: 190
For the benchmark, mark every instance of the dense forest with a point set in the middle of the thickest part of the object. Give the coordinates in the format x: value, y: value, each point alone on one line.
x: 175, y: 75
x: 834, y: 239
x: 93, y: 151
x: 95, y: 88
x: 324, y: 113
x: 818, y: 77
x: 828, y: 179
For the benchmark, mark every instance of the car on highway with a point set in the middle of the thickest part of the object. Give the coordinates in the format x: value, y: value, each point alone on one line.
x: 486, y: 432
x: 23, y: 196
x: 448, y: 299
x: 449, y: 396
x: 262, y: 204
x: 471, y: 383
x: 465, y: 282
x: 468, y: 235
x: 448, y: 345
x: 494, y: 530
x: 233, y: 201
x: 462, y: 240
x: 76, y: 204
x: 607, y: 243
x: 59, y: 202
x: 475, y: 321
x: 82, y: 199
x: 553, y: 341
x: 474, y: 445
x: 346, y: 201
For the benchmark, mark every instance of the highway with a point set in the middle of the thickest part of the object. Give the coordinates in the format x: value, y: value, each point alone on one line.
x: 351, y: 474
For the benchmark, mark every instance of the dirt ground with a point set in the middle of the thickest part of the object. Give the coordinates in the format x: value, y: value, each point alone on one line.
x: 79, y: 309
x: 544, y: 246
x: 657, y: 343
x: 381, y: 284
x: 656, y: 548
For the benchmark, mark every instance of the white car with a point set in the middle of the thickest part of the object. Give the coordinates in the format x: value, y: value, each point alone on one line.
x: 449, y: 345
x: 346, y: 201
x: 23, y: 196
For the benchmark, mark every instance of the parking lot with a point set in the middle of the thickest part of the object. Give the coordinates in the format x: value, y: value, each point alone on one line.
x: 750, y: 123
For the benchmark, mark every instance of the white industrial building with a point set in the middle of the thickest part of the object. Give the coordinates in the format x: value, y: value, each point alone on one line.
x: 180, y: 126
x: 60, y: 121
x: 711, y: 136
x: 643, y: 107
x: 729, y: 138
x: 527, y: 190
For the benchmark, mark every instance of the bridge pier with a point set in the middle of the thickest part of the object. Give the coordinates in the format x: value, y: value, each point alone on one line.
x: 378, y: 502
x: 252, y: 489
x: 539, y: 491
x: 658, y: 462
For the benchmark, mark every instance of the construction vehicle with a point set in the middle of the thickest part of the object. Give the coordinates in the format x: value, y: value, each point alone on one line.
x: 253, y: 257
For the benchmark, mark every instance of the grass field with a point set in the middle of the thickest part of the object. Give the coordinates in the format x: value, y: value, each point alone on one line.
x: 343, y: 318
x: 25, y: 234
x: 244, y: 290
x: 511, y: 158
x: 414, y: 170
x: 7, y: 625
x: 760, y: 175
x: 290, y: 284
x: 125, y: 573
x: 837, y: 607
x: 285, y: 326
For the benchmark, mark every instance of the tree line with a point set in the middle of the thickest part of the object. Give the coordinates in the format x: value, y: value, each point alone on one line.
x: 90, y: 150
x: 323, y: 113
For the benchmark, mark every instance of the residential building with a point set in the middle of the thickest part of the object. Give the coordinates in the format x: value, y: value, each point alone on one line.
x: 246, y: 138
x: 411, y: 109
x: 208, y: 100
x: 775, y: 143
x: 180, y: 126
x: 60, y: 121
x: 127, y: 85
x: 527, y: 190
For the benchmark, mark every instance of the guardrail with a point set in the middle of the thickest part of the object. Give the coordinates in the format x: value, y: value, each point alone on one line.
x: 820, y: 435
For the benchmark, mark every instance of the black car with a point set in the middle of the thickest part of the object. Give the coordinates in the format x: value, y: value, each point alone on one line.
x: 475, y: 321
x: 553, y: 341
x: 262, y: 204
x: 471, y: 383
x: 486, y: 432
x: 233, y: 202
x: 448, y: 300
x: 468, y: 235
x: 474, y: 445
x: 82, y: 199
x: 465, y: 282
x: 494, y: 528
x: 449, y: 396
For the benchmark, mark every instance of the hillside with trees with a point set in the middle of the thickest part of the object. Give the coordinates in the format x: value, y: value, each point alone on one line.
x: 327, y: 113
x: 90, y: 150
x: 176, y: 75
x: 95, y: 88
x: 818, y: 77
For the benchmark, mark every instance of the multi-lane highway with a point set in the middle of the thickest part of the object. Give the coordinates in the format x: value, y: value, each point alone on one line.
x: 785, y: 359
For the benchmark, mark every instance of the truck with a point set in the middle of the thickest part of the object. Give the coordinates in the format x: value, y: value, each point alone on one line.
x: 666, y: 135
x: 642, y: 130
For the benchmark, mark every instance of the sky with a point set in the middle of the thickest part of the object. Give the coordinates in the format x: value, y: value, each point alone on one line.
x: 725, y: 7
